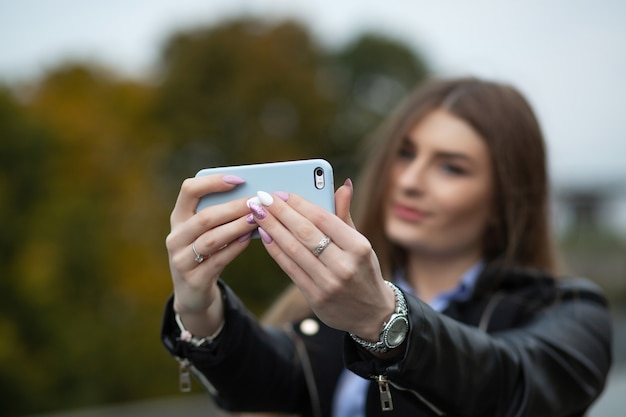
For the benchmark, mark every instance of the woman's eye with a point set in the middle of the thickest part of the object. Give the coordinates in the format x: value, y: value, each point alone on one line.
x: 406, y: 153
x: 453, y: 169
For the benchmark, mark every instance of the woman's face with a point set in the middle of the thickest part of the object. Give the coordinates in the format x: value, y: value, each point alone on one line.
x: 439, y: 199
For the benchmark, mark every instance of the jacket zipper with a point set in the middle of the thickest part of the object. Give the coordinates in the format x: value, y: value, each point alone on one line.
x: 184, y: 375
x: 185, y: 370
x: 386, y: 403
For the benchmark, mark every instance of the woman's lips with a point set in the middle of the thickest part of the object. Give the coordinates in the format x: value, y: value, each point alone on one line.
x: 408, y: 213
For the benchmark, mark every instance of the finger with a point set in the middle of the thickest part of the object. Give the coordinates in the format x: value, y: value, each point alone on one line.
x: 295, y: 228
x: 208, y: 219
x: 342, y: 234
x: 286, y: 228
x: 212, y: 244
x: 217, y: 238
x: 293, y: 270
x: 193, y: 189
x: 181, y: 237
x: 218, y: 260
x: 343, y: 199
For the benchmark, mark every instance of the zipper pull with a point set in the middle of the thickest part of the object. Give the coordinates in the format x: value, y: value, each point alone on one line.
x: 385, y: 395
x: 184, y: 376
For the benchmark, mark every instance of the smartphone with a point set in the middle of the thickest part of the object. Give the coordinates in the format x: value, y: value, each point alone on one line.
x: 311, y: 179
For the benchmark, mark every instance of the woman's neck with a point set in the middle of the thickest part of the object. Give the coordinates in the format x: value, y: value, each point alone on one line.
x: 430, y: 276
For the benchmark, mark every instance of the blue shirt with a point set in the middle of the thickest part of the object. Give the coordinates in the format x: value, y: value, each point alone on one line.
x: 351, y: 391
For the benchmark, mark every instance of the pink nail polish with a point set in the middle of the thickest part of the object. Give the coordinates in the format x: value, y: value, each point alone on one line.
x: 250, y: 219
x: 233, y: 179
x: 257, y: 210
x: 264, y: 236
x: 282, y: 195
x: 245, y: 237
x: 348, y: 183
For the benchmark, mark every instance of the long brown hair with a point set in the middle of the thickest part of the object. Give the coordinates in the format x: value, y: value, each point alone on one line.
x: 521, y: 235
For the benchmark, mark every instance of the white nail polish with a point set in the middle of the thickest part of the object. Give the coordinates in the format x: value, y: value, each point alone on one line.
x: 253, y: 200
x: 265, y: 198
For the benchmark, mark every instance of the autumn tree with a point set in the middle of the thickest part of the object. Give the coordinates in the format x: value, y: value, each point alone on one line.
x: 91, y: 166
x: 87, y: 261
x: 253, y: 91
x: 24, y: 164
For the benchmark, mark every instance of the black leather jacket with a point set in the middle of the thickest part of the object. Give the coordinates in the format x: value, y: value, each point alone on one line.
x: 523, y: 345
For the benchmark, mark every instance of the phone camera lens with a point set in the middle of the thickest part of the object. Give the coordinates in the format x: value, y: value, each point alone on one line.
x: 320, y: 182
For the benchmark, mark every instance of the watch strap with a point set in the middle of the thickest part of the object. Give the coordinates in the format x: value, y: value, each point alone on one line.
x: 381, y: 345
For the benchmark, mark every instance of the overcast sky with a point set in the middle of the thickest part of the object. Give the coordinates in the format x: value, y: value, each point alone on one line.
x: 567, y: 56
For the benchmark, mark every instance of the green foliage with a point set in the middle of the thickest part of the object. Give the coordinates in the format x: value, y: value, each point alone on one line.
x: 374, y: 73
x: 90, y: 166
x: 23, y: 165
x: 243, y: 92
x: 247, y: 91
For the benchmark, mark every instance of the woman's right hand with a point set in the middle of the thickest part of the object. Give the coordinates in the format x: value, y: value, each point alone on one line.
x: 219, y: 234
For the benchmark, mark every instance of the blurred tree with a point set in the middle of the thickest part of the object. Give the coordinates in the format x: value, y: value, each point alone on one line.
x: 250, y: 91
x: 243, y: 92
x: 23, y: 166
x: 91, y: 165
x: 372, y: 74
x: 90, y: 265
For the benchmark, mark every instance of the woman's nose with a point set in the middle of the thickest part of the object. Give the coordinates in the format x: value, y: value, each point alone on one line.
x: 412, y: 176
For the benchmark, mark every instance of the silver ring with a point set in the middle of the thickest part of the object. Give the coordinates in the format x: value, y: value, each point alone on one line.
x: 317, y: 251
x: 199, y: 258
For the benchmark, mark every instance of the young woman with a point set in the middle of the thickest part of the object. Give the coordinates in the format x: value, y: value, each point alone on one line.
x: 443, y: 301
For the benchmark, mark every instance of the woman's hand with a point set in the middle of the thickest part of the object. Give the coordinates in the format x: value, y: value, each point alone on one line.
x: 344, y: 284
x: 218, y: 233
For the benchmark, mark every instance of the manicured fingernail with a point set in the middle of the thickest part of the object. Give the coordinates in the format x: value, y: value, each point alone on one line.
x: 348, y: 183
x: 253, y: 200
x: 257, y: 210
x: 250, y: 219
x: 244, y: 237
x: 264, y: 236
x: 282, y: 195
x: 265, y: 198
x: 233, y: 179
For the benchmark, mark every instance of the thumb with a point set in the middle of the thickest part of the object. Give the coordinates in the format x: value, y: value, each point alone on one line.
x: 343, y: 198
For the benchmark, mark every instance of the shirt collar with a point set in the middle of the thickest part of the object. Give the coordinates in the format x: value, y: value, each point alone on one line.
x: 462, y: 292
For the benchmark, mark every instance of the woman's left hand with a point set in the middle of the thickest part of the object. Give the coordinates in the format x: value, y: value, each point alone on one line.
x: 343, y: 284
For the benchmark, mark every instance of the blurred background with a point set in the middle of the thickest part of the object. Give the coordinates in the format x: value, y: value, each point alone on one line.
x: 105, y: 107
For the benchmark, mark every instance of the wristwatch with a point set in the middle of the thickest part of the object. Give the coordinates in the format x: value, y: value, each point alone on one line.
x: 394, y: 330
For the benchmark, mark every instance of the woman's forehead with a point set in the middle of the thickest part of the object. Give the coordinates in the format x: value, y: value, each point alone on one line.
x: 446, y: 133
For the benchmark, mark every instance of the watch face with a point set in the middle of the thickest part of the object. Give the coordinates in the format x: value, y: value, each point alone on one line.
x: 396, y: 331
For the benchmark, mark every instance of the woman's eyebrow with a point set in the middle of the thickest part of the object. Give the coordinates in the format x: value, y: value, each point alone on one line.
x: 453, y: 155
x: 406, y: 141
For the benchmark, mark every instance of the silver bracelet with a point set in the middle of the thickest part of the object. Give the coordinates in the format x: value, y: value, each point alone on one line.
x: 186, y: 336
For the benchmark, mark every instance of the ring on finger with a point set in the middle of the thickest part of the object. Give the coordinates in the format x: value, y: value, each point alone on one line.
x: 199, y: 258
x: 317, y: 251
